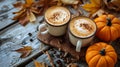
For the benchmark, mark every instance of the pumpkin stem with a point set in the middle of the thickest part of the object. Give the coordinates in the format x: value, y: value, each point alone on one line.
x: 102, y: 52
x: 109, y: 22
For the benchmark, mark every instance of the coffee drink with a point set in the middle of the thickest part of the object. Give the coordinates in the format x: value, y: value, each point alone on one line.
x: 57, y: 15
x: 82, y: 27
x: 81, y: 31
x: 57, y: 18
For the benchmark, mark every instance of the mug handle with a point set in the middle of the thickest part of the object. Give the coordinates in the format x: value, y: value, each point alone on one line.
x: 79, y: 45
x: 40, y: 27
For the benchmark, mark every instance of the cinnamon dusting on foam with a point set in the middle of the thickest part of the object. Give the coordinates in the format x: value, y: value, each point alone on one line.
x: 82, y: 27
x: 57, y: 16
x: 86, y: 26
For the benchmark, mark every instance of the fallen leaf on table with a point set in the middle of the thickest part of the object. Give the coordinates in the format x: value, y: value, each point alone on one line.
x: 27, y: 12
x: 39, y: 64
x: 18, y: 4
x: 72, y: 65
x: 25, y: 51
x: 92, y: 7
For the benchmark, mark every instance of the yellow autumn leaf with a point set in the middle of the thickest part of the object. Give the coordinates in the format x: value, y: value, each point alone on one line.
x: 39, y: 64
x: 31, y: 16
x: 92, y: 7
x: 29, y: 3
x: 25, y: 51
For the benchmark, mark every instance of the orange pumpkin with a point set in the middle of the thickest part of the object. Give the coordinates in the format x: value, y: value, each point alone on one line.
x: 108, y: 27
x: 101, y: 55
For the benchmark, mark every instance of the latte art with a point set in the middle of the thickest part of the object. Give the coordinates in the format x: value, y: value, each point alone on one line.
x: 57, y: 15
x: 82, y: 27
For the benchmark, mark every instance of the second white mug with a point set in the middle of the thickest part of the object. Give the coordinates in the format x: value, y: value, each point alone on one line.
x: 81, y: 31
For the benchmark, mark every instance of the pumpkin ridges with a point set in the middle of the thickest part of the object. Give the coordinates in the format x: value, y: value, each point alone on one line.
x: 109, y: 49
x: 114, y: 33
x: 104, y: 33
x: 95, y: 48
x: 111, y: 16
x: 103, y: 16
x: 98, y: 60
x: 109, y: 61
x: 118, y: 28
x: 104, y: 45
x: 100, y: 25
x: 102, y: 62
x: 91, y: 54
x: 116, y: 21
x: 93, y: 62
x: 112, y: 55
x: 101, y: 19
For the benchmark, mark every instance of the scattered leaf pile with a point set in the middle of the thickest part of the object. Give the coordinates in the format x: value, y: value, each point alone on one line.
x: 25, y: 51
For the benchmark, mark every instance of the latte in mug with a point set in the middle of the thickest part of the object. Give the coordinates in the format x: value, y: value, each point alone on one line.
x: 57, y: 18
x: 81, y: 31
x: 82, y: 27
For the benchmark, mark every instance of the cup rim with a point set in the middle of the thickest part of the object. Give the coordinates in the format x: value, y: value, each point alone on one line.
x: 58, y: 25
x: 78, y: 36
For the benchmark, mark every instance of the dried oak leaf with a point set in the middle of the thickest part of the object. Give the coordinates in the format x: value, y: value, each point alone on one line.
x: 25, y: 51
x: 27, y: 12
x: 92, y: 7
x: 39, y: 64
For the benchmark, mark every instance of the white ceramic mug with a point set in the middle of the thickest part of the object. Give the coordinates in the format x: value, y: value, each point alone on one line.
x: 53, y: 30
x: 80, y: 41
x: 56, y: 21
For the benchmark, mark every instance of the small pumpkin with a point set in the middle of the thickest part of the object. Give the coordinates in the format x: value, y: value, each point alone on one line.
x: 101, y: 55
x: 108, y: 27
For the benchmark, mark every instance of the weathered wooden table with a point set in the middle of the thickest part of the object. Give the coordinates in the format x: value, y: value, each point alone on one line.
x: 14, y: 36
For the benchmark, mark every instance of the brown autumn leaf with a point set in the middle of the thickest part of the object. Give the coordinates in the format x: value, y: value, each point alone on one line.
x: 18, y: 4
x: 25, y: 51
x: 92, y: 7
x: 39, y: 64
x: 72, y: 65
x: 27, y: 12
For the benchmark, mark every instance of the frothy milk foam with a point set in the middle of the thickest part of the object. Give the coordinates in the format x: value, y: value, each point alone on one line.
x: 57, y: 15
x: 82, y: 27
